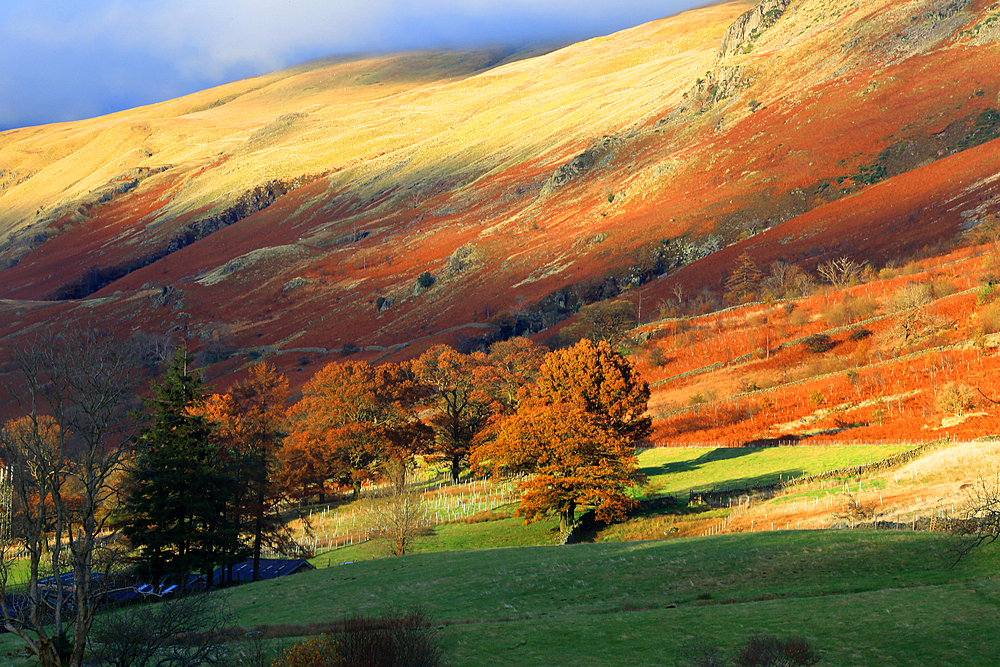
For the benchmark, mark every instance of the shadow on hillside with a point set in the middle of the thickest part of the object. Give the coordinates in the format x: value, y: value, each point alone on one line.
x: 712, y: 456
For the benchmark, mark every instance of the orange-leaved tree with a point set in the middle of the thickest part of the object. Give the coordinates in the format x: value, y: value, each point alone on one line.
x: 574, y: 434
x: 458, y: 384
x: 249, y: 421
x: 513, y: 369
x: 351, y: 418
x: 573, y: 458
x: 597, y: 379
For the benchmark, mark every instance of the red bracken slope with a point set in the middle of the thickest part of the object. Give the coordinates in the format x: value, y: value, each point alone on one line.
x: 291, y: 215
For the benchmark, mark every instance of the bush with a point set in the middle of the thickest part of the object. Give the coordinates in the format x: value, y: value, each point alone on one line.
x: 984, y: 294
x: 819, y: 343
x: 849, y: 310
x: 767, y: 651
x: 318, y: 651
x: 955, y: 398
x: 989, y: 318
x: 425, y: 279
x: 798, y: 318
x: 394, y: 639
x: 860, y: 334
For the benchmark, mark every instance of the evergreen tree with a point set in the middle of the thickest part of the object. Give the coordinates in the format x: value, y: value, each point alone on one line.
x: 743, y: 283
x: 175, y: 512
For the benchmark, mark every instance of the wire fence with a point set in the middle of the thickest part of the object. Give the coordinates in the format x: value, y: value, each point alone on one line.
x: 442, y: 501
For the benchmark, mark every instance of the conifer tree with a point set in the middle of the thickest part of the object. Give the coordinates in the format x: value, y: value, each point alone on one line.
x: 744, y: 282
x: 175, y: 513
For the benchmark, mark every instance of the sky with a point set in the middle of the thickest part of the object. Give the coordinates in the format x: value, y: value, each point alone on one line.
x: 72, y: 59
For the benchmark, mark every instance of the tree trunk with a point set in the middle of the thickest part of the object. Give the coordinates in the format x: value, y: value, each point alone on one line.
x: 456, y: 467
x: 258, y: 535
x: 567, y: 517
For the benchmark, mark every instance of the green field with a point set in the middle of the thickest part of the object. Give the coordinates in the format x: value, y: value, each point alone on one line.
x: 861, y: 597
x: 678, y: 470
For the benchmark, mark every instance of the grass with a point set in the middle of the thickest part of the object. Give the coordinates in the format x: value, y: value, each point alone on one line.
x: 857, y: 595
x: 677, y: 470
x: 506, y: 532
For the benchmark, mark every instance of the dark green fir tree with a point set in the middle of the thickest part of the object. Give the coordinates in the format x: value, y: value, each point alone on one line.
x: 175, y: 513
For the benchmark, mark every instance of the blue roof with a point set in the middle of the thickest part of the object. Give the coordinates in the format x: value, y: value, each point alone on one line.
x: 270, y: 568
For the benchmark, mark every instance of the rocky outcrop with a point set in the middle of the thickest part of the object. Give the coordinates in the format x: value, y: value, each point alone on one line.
x: 582, y: 163
x: 750, y: 25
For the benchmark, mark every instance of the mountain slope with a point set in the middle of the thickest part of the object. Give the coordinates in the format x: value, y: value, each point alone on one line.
x: 292, y: 214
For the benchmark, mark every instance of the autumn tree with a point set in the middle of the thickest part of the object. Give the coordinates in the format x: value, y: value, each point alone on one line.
x: 574, y: 433
x: 175, y: 512
x: 608, y: 320
x: 351, y: 418
x: 600, y: 381
x: 248, y: 421
x: 574, y: 459
x: 513, y: 367
x: 744, y: 282
x: 65, y: 454
x: 459, y: 393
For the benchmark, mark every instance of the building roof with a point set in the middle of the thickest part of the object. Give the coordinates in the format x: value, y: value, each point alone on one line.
x: 270, y: 568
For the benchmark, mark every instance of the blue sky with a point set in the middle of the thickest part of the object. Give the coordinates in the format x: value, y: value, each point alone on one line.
x: 72, y: 59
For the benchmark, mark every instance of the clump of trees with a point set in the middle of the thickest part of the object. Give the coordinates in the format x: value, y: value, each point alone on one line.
x: 194, y: 481
x: 66, y: 456
x: 570, y: 418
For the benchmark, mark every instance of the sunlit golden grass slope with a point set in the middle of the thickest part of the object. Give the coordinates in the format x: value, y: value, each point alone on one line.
x: 418, y: 115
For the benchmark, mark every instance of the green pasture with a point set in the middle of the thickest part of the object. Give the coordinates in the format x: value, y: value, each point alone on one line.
x: 861, y: 597
x: 499, y: 593
x: 678, y: 470
x: 505, y: 532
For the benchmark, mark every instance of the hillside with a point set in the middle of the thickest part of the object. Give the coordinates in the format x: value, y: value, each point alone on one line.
x: 290, y: 215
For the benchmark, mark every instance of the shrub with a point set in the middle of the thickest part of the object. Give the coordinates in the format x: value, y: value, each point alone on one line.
x: 318, y: 651
x: 989, y: 318
x: 985, y: 294
x: 767, y: 651
x: 955, y: 398
x: 860, y: 334
x: 943, y: 287
x: 425, y: 279
x: 849, y: 310
x: 394, y: 639
x: 819, y: 343
x: 816, y: 397
x: 656, y: 357
x: 798, y: 318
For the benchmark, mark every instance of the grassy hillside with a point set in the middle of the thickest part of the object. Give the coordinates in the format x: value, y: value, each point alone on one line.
x: 860, y: 597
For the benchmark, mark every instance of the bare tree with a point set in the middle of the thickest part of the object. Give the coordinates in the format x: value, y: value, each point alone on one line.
x: 913, y: 320
x: 399, y: 516
x: 980, y: 521
x: 66, y: 454
x: 840, y: 272
x: 178, y: 632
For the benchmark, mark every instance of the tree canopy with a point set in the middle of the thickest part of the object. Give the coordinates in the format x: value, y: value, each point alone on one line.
x: 573, y: 458
x: 600, y: 381
x: 350, y: 418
